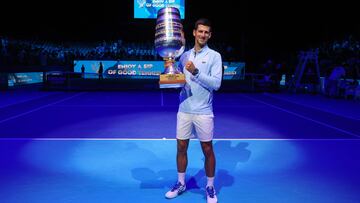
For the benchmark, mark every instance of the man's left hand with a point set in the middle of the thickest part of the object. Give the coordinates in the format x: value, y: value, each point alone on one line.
x: 190, y: 66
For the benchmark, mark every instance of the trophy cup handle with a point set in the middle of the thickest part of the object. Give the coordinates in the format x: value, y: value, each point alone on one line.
x: 179, y: 52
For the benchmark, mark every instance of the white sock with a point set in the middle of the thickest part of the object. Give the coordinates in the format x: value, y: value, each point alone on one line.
x: 181, y: 178
x: 210, y: 181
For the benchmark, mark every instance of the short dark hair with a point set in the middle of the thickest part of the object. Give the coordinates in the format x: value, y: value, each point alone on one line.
x: 202, y: 21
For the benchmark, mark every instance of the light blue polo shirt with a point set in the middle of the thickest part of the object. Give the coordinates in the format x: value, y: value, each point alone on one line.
x: 197, y: 95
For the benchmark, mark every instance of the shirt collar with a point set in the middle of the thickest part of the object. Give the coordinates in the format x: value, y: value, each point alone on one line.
x: 204, y: 49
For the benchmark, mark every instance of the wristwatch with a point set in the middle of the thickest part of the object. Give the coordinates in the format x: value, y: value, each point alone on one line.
x: 195, y: 72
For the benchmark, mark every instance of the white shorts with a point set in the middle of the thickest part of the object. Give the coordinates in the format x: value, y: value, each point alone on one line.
x: 195, y: 125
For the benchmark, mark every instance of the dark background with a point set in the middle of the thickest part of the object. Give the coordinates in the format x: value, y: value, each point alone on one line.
x: 256, y: 28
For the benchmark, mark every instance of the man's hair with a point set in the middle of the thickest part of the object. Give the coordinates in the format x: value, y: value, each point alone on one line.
x: 202, y: 21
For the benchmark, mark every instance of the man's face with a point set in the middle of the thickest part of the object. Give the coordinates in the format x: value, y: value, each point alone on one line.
x: 202, y: 34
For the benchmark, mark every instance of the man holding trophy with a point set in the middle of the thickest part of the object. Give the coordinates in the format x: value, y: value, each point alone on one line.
x: 202, y: 68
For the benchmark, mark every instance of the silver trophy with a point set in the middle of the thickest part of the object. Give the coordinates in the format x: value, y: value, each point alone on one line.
x: 170, y: 44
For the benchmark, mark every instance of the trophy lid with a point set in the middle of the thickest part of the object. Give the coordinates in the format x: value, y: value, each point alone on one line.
x: 168, y: 9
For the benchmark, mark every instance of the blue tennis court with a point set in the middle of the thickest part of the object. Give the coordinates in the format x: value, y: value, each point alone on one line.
x: 119, y: 147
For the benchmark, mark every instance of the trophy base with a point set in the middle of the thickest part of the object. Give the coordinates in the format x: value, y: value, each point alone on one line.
x: 172, y: 80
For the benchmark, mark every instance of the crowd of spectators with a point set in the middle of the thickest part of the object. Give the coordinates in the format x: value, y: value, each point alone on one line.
x: 331, y: 55
x: 345, y: 52
x: 16, y: 52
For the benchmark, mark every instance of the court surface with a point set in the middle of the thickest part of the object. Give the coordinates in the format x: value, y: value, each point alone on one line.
x: 120, y: 147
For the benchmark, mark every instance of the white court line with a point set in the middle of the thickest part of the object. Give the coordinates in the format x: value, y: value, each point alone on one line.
x: 171, y: 139
x: 41, y: 107
x: 26, y: 100
x: 288, y: 100
x: 120, y: 106
x: 304, y: 117
x: 237, y: 106
x: 110, y: 106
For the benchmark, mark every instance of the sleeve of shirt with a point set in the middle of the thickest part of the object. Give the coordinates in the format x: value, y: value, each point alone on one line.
x: 212, y: 81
